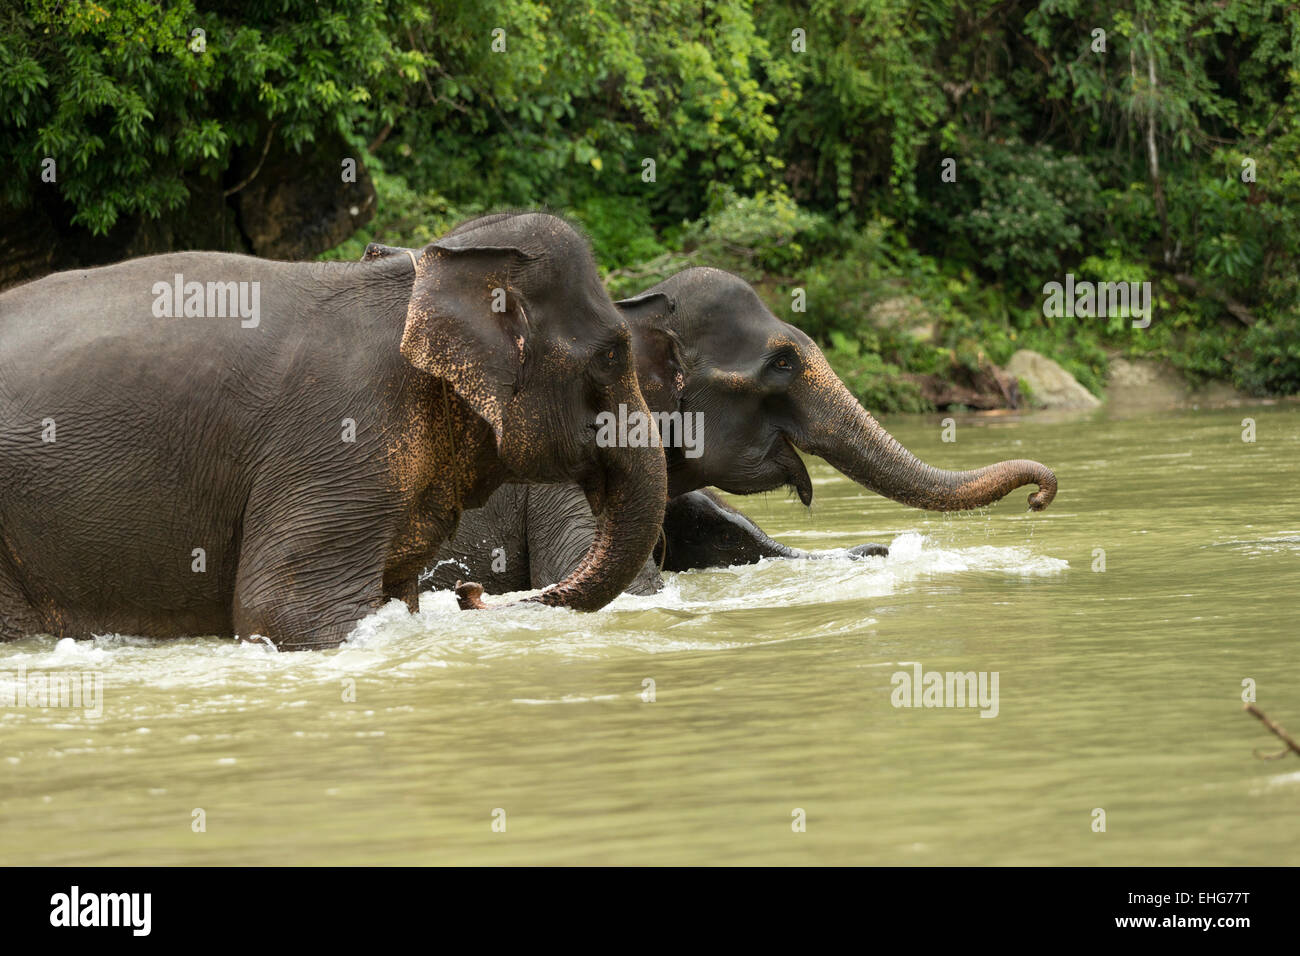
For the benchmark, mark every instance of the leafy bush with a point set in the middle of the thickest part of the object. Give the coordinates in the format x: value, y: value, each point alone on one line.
x: 584, y: 94
x: 1018, y: 209
x: 131, y: 105
x: 798, y: 145
x: 877, y: 384
x: 620, y: 229
x: 1270, y: 364
x: 751, y: 235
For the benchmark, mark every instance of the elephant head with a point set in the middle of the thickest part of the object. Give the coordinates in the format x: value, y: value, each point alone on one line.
x: 703, y: 531
x: 509, y: 311
x: 764, y: 389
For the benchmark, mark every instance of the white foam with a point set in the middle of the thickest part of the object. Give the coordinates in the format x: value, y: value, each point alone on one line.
x: 681, y: 618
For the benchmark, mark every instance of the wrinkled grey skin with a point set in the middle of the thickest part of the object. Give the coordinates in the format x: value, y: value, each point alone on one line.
x: 525, y: 537
x: 199, y: 481
x: 765, y: 390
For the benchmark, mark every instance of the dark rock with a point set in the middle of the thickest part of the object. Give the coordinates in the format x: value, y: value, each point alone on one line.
x: 296, y: 205
x: 989, y: 387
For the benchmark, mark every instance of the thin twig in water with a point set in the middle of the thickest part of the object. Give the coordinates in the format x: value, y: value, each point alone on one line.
x: 1291, y: 745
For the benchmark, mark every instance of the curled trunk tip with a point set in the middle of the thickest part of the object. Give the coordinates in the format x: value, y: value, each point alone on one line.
x: 1046, y: 482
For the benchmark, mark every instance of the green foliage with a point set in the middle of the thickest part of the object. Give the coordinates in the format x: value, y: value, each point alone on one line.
x: 869, y: 98
x: 621, y: 231
x: 798, y: 144
x: 752, y: 235
x: 877, y: 384
x: 1272, y: 358
x: 583, y: 94
x: 405, y: 217
x: 922, y: 315
x: 1016, y: 209
x: 130, y: 105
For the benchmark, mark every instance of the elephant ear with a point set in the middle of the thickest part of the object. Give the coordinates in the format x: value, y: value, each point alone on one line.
x: 658, y: 349
x: 467, y: 323
x: 648, y: 308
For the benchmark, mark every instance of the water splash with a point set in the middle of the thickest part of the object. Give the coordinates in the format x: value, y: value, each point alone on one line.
x: 428, y: 574
x: 693, y: 613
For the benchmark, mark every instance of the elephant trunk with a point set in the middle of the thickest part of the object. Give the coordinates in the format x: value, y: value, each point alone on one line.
x: 636, y: 488
x: 768, y: 548
x: 851, y: 440
x: 627, y: 490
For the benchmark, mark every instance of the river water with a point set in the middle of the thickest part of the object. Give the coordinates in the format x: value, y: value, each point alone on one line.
x: 747, y: 715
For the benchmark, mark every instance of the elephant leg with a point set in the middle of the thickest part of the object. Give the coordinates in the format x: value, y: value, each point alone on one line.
x: 305, y: 582
x: 487, y: 548
x: 404, y: 588
x: 560, y: 530
x: 18, y: 618
x: 294, y: 617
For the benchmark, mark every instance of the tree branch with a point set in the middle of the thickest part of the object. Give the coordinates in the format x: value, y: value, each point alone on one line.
x: 1291, y: 745
x: 1238, y: 311
x: 266, y: 147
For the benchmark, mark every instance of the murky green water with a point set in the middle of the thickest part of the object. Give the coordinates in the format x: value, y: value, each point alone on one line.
x: 1119, y: 690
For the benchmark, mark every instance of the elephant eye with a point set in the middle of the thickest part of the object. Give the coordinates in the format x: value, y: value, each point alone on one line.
x: 606, y: 361
x: 782, y: 362
x: 612, y: 352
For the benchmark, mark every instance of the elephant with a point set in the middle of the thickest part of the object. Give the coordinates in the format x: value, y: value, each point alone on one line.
x: 212, y: 444
x: 764, y: 389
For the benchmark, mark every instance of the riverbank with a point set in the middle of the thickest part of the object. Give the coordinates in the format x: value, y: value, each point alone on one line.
x: 1131, y: 385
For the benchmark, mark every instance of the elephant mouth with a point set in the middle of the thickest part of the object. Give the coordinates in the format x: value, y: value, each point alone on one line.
x: 744, y: 474
x: 780, y: 467
x: 796, y: 475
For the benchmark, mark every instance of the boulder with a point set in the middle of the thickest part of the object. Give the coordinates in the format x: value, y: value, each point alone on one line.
x: 290, y: 206
x: 1152, y: 383
x: 1050, y: 386
x: 988, y: 387
x: 296, y: 205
